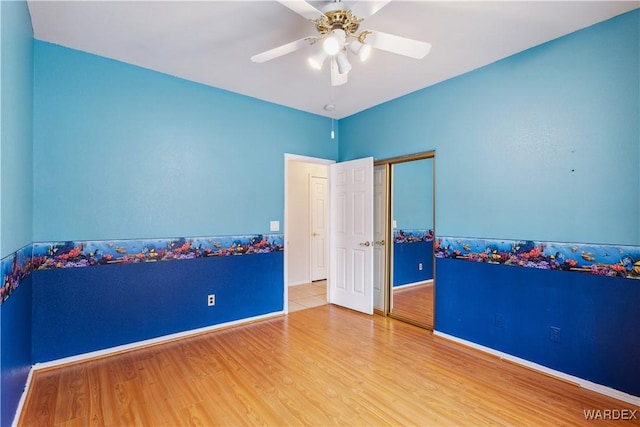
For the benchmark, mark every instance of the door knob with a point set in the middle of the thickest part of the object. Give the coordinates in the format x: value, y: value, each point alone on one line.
x: 365, y: 244
x: 380, y: 243
x: 315, y: 234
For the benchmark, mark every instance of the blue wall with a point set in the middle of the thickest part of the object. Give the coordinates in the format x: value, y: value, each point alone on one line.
x: 533, y: 147
x: 15, y: 321
x: 412, y: 208
x: 542, y: 145
x: 413, y: 194
x: 512, y: 309
x: 123, y: 152
x: 406, y: 257
x: 16, y: 155
x: 16, y: 181
x: 99, y: 307
x: 113, y: 151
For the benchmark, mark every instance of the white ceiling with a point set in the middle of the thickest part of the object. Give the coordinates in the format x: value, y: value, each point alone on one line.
x: 210, y: 42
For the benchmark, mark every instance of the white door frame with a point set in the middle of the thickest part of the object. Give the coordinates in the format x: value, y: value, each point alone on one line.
x: 296, y: 158
x: 381, y: 243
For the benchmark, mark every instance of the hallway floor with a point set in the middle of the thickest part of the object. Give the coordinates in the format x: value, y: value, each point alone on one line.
x: 309, y: 295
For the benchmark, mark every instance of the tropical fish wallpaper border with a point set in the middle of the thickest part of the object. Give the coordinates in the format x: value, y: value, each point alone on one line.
x: 87, y: 253
x: 411, y: 236
x: 43, y: 256
x: 604, y: 260
x: 15, y: 268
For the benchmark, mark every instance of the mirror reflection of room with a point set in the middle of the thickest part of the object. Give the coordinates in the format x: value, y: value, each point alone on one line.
x: 412, y: 222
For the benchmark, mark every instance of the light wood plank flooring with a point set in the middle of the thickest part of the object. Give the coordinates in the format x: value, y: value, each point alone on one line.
x: 415, y: 302
x: 310, y: 295
x: 321, y: 366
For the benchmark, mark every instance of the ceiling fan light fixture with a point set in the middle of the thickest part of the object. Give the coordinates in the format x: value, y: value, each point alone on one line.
x: 343, y: 62
x: 334, y: 42
x: 365, y: 52
x: 362, y: 50
x: 316, y: 60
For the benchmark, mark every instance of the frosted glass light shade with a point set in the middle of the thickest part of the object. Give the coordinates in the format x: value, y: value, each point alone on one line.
x: 334, y: 42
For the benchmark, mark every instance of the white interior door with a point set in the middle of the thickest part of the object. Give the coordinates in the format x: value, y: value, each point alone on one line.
x: 351, y: 244
x: 318, y: 220
x: 379, y: 233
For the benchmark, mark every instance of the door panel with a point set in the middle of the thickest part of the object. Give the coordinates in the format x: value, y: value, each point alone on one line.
x: 341, y: 269
x: 358, y: 214
x: 318, y: 194
x: 351, y: 247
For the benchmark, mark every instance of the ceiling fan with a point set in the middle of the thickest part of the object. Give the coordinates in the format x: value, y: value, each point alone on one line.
x: 338, y: 36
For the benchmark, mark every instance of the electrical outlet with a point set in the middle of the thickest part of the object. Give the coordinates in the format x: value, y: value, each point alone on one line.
x: 499, y: 320
x: 420, y: 266
x: 211, y: 300
x: 554, y: 334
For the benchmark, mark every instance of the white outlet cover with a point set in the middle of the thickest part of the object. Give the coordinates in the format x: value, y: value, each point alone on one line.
x: 274, y: 226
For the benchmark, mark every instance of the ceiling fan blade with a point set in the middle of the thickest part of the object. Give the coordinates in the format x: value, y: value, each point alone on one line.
x: 302, y: 8
x: 364, y: 8
x: 282, y: 50
x: 337, y: 79
x: 396, y: 44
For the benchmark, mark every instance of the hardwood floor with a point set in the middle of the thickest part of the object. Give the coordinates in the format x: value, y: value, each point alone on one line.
x: 415, y: 302
x: 320, y: 366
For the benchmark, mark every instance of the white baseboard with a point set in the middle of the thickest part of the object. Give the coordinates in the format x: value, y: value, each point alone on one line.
x: 409, y: 285
x: 23, y: 398
x: 598, y: 388
x: 145, y: 343
x: 304, y: 282
x: 127, y: 347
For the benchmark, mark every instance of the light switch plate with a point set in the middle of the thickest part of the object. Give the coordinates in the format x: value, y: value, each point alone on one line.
x: 274, y: 226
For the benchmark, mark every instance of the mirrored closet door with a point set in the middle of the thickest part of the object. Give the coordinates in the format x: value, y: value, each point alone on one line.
x: 408, y: 219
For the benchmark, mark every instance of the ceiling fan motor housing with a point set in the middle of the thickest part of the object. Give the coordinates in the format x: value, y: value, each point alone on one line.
x: 342, y: 19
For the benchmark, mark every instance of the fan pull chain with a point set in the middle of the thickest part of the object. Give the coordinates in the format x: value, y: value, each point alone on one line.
x: 333, y: 134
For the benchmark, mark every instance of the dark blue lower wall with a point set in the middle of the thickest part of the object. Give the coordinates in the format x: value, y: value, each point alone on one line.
x: 406, y: 257
x: 79, y: 310
x: 15, y: 357
x: 512, y: 309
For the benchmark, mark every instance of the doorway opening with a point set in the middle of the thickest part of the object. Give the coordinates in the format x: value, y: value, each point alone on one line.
x: 349, y: 210
x: 305, y: 231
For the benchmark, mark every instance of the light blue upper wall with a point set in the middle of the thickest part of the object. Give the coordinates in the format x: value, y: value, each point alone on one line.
x: 124, y: 152
x: 543, y: 145
x: 16, y: 124
x: 413, y: 194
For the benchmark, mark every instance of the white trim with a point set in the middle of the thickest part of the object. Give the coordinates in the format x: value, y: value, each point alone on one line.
x: 598, y: 388
x: 153, y: 341
x: 304, y: 159
x: 412, y: 284
x: 299, y: 282
x: 307, y: 159
x: 23, y: 399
